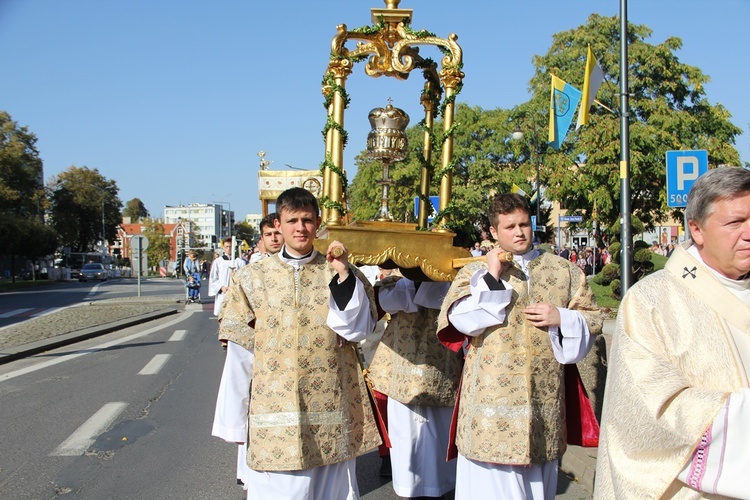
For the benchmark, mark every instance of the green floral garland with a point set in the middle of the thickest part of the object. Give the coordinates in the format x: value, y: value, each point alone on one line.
x: 326, y: 201
x: 422, y: 34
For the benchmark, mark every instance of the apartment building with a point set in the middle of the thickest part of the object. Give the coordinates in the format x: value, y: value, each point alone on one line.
x: 210, y: 222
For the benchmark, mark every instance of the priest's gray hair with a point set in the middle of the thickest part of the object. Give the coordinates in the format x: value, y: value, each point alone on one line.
x: 715, y: 185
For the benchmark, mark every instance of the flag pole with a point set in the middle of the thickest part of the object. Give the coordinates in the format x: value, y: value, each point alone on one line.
x: 626, y: 236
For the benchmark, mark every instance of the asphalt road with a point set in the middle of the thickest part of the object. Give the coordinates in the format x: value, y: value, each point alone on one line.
x: 128, y: 415
x: 20, y: 305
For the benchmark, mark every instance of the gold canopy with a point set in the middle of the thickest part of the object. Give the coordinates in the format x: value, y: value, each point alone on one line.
x: 391, y: 48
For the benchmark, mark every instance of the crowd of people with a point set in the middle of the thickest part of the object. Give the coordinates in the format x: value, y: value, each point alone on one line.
x: 466, y: 388
x: 589, y: 259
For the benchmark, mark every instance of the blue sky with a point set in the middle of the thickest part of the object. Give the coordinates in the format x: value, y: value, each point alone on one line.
x: 174, y: 99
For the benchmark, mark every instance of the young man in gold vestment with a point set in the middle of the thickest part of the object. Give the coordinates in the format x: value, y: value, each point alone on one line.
x: 271, y: 239
x: 291, y: 321
x: 420, y: 378
x: 522, y: 320
x: 676, y: 415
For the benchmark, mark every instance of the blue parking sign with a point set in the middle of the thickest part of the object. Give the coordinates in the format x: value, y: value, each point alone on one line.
x: 683, y: 169
x: 431, y: 210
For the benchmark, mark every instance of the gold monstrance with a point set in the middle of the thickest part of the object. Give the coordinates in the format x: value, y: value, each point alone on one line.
x: 387, y: 143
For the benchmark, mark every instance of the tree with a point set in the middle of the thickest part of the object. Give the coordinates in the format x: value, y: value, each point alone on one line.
x: 21, y: 177
x: 135, y: 209
x: 26, y: 237
x: 76, y: 207
x: 159, y: 245
x: 244, y: 231
x: 669, y: 110
x: 22, y: 200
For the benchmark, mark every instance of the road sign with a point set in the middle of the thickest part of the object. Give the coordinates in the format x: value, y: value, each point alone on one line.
x: 434, y: 201
x: 571, y: 218
x: 683, y: 168
x: 138, y: 241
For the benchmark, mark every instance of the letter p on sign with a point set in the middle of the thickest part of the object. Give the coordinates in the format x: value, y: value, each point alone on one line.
x: 687, y: 170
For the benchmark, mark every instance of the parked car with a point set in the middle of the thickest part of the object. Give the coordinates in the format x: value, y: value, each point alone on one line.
x: 93, y: 272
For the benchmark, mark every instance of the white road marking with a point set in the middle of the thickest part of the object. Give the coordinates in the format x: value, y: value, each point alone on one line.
x: 46, y: 312
x: 178, y: 335
x: 14, y: 312
x: 100, y: 347
x: 156, y: 363
x: 92, y: 292
x: 85, y: 435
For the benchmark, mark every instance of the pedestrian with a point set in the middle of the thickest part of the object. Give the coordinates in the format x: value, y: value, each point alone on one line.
x: 670, y: 249
x: 191, y: 264
x: 219, y: 278
x: 522, y: 320
x: 273, y: 239
x: 270, y: 238
x: 477, y: 250
x: 676, y: 414
x: 565, y: 253
x: 204, y: 269
x: 292, y: 320
x: 420, y: 378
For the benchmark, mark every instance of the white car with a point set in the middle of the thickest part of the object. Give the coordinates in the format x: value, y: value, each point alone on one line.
x: 93, y: 272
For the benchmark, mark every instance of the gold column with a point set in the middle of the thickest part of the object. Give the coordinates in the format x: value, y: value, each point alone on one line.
x: 446, y: 181
x: 326, y: 192
x: 428, y: 102
x: 340, y: 69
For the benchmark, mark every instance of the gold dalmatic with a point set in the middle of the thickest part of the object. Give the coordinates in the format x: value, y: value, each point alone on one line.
x: 511, y: 408
x: 308, y: 405
x: 412, y: 366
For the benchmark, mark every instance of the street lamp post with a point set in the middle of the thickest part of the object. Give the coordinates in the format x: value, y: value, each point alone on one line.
x: 104, y: 193
x: 517, y: 136
x: 103, y: 221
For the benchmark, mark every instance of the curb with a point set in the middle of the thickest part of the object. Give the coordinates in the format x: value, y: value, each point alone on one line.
x: 22, y: 351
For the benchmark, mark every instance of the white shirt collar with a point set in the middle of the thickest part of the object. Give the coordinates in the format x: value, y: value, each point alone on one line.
x: 523, y: 260
x: 296, y: 262
x: 740, y: 287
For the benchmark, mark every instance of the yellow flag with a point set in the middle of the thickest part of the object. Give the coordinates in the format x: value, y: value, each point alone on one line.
x: 517, y: 190
x: 592, y: 80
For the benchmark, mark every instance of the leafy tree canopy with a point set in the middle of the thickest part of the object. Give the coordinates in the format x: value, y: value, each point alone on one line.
x: 135, y: 209
x: 159, y: 245
x: 244, y: 231
x: 21, y: 179
x: 669, y: 110
x: 77, y: 197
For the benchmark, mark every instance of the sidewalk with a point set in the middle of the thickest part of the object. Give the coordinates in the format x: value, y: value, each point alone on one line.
x: 577, y: 461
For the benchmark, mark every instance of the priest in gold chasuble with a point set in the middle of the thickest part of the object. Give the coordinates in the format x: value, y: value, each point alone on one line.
x: 676, y: 414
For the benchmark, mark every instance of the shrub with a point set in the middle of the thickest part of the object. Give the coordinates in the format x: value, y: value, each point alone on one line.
x: 609, y: 273
x: 642, y: 255
x: 614, y: 251
x: 616, y: 287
